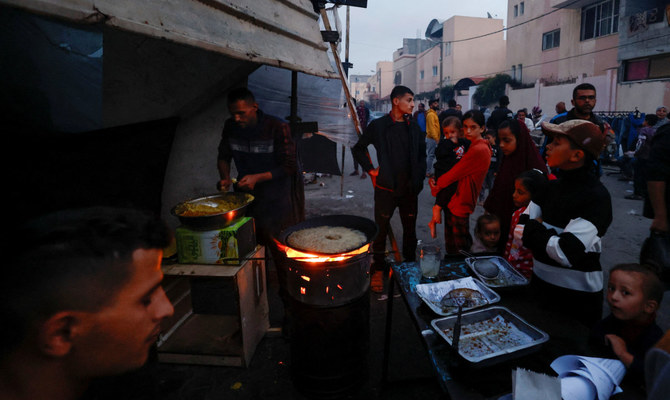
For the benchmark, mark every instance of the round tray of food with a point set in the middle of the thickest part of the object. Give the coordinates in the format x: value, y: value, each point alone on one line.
x: 213, y: 211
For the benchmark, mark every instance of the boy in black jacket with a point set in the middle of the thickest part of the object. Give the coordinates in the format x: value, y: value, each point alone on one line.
x: 563, y: 228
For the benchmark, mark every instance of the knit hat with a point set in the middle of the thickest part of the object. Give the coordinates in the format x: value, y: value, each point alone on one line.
x: 585, y: 134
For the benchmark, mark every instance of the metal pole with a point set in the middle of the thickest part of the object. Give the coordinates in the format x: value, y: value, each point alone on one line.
x: 354, y: 117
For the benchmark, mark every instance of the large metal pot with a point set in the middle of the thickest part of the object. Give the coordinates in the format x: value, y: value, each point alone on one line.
x: 217, y: 220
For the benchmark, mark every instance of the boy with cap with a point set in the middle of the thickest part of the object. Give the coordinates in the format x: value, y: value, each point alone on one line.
x: 563, y: 228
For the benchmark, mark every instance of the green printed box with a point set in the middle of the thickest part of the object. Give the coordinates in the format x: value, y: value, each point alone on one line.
x: 219, y: 246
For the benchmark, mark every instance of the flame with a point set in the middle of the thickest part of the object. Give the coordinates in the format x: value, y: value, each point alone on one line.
x: 319, y: 258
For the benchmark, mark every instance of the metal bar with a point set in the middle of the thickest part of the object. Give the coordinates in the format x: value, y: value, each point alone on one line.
x: 354, y: 117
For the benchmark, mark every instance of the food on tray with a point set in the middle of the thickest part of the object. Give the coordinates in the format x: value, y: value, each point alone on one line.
x: 468, y: 298
x: 209, y: 207
x: 487, y: 268
x: 327, y: 239
x: 488, y: 336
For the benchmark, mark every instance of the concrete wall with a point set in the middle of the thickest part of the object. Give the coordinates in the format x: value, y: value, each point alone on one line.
x: 478, y: 57
x: 646, y: 96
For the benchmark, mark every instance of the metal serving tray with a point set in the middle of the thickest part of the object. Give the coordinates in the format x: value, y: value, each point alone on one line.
x: 432, y: 293
x: 509, y: 277
x: 497, y: 345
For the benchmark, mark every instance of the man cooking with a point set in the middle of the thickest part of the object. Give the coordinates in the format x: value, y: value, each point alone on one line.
x: 265, y: 157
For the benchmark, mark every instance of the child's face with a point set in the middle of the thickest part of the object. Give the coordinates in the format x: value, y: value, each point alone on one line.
x: 473, y: 130
x: 451, y: 133
x: 560, y: 154
x: 521, y: 195
x: 490, y: 234
x: 626, y: 298
x: 507, y: 141
x: 491, y: 139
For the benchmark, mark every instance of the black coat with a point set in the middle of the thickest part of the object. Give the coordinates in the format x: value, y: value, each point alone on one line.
x: 375, y: 134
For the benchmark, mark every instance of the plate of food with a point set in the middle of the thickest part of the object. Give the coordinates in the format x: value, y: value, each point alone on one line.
x: 496, y: 272
x: 490, y: 336
x: 445, y: 297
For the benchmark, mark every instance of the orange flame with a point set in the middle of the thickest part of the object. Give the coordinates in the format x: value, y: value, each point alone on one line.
x: 318, y: 258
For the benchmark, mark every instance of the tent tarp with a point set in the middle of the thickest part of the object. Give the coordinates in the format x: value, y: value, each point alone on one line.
x: 283, y: 33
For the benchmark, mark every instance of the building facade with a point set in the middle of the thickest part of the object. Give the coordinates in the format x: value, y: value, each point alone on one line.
x: 359, y: 86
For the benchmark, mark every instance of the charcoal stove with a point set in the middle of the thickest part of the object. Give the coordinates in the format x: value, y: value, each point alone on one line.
x: 330, y: 311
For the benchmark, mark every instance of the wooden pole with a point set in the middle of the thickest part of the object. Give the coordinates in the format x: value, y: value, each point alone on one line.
x: 354, y: 117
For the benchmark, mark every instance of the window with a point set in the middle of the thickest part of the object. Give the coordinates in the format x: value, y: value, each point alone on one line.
x: 519, y: 69
x: 434, y: 70
x: 447, y: 48
x: 397, y: 80
x: 521, y: 8
x: 647, y: 68
x: 551, y: 39
x: 516, y: 11
x: 600, y: 19
x: 514, y: 72
x: 420, y: 74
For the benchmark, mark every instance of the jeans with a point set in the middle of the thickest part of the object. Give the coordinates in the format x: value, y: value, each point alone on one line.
x: 430, y: 154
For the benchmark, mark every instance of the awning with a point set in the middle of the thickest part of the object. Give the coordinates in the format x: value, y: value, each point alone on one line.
x: 282, y: 33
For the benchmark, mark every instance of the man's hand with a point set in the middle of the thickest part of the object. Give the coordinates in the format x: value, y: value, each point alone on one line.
x: 249, y: 182
x: 224, y: 185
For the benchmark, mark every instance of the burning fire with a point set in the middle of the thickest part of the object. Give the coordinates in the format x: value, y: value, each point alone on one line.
x: 318, y: 258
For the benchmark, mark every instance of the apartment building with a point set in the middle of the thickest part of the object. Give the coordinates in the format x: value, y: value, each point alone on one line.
x: 619, y: 46
x: 359, y: 86
x: 405, y: 61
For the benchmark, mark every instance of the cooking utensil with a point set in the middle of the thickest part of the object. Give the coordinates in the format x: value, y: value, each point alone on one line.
x: 457, y: 329
x: 364, y: 225
x: 483, y: 266
x: 219, y: 219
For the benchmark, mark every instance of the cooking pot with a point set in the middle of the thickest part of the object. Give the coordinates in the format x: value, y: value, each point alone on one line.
x: 216, y: 220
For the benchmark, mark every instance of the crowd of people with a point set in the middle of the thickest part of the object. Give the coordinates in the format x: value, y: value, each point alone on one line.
x: 545, y: 207
x: 83, y: 292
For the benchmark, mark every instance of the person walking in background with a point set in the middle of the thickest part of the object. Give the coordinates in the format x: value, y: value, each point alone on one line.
x: 522, y: 116
x: 398, y: 178
x: 519, y: 154
x: 662, y: 114
x: 432, y: 134
x: 420, y: 117
x: 363, y: 113
x: 451, y: 111
x: 642, y: 150
x: 499, y: 114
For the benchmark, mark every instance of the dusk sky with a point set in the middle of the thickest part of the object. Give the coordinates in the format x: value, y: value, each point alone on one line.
x: 377, y: 31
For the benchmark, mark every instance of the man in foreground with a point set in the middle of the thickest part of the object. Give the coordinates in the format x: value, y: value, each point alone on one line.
x: 80, y: 298
x: 398, y: 179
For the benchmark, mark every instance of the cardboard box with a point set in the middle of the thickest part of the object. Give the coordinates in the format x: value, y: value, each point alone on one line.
x: 220, y: 246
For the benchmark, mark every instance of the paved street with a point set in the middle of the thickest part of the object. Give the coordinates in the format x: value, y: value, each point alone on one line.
x: 268, y: 376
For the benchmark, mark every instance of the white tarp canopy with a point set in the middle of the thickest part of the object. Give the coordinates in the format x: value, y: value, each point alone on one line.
x: 282, y: 33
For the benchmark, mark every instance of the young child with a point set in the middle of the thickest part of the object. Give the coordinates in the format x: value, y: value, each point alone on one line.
x: 519, y: 154
x: 564, y: 228
x: 634, y: 293
x: 469, y: 172
x: 527, y: 186
x: 487, y: 234
x: 450, y: 150
x: 496, y: 157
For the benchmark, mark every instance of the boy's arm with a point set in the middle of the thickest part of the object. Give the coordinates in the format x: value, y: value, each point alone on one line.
x: 360, y: 149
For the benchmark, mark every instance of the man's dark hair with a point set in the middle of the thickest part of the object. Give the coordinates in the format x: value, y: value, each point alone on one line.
x: 400, y: 91
x: 651, y: 119
x: 582, y: 86
x: 504, y: 101
x: 71, y: 260
x: 431, y: 101
x: 242, y: 93
x: 452, y: 103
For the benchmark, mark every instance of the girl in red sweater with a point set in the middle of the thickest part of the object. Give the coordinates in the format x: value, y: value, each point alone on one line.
x: 469, y: 172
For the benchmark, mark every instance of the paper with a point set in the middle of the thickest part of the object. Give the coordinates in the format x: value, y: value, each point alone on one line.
x: 529, y: 385
x: 583, y: 377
